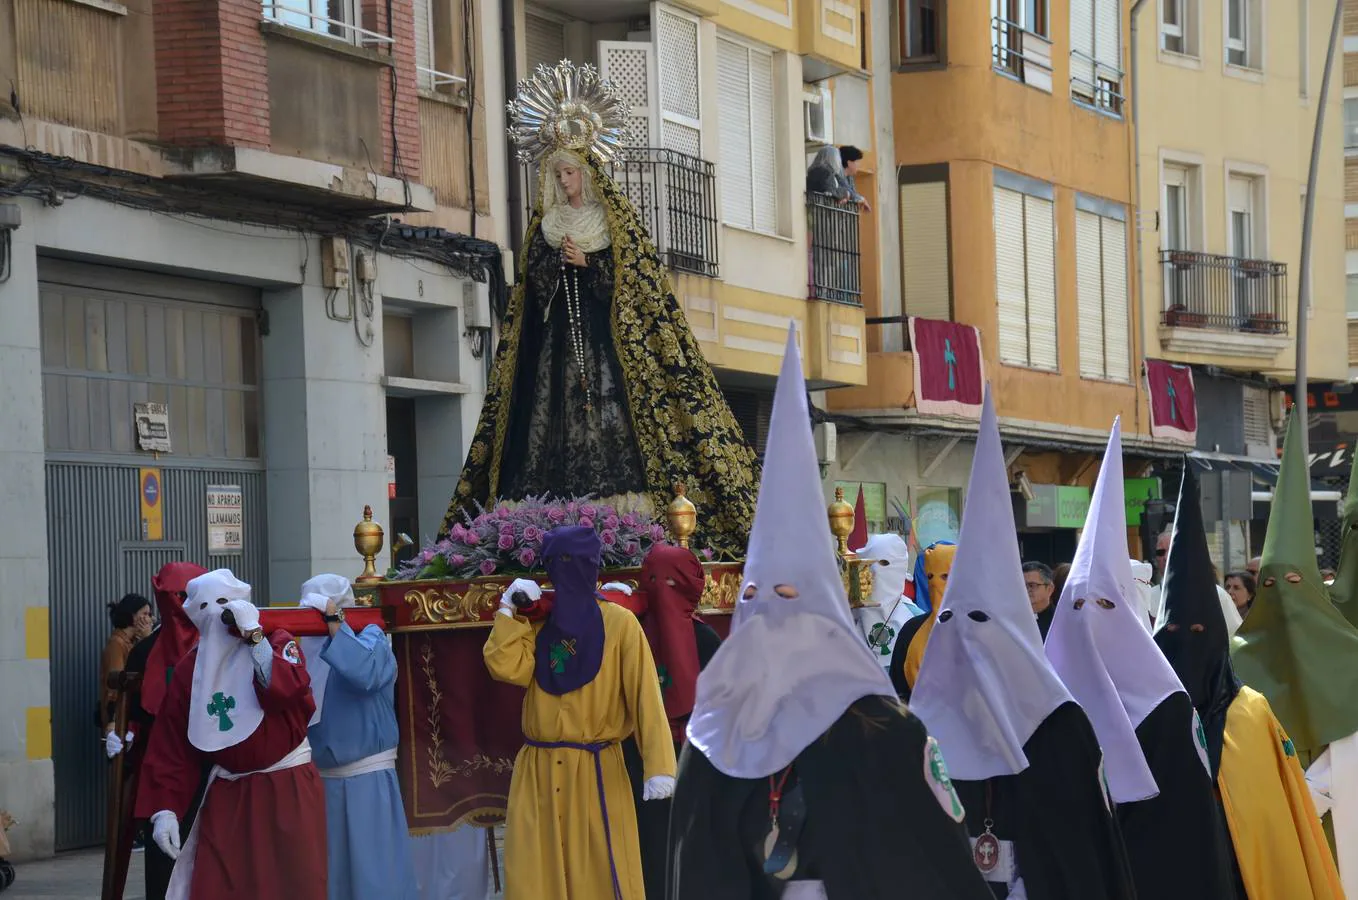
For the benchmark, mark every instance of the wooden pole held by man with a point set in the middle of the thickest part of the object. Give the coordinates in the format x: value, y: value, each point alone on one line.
x: 124, y: 683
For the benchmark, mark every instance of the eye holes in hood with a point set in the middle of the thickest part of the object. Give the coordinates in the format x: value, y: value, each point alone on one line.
x: 945, y: 615
x: 977, y: 615
x: 1106, y: 603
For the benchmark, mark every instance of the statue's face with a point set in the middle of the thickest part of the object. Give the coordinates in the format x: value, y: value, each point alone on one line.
x: 937, y: 564
x: 569, y: 177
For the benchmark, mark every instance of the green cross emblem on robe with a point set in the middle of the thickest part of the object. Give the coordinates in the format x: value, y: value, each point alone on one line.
x: 664, y: 675
x: 1199, y: 732
x: 1289, y: 749
x: 219, y: 707
x: 879, y: 638
x: 938, y: 774
x: 561, y: 651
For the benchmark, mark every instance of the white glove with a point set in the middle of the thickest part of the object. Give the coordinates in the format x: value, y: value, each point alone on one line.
x: 165, y: 832
x: 617, y: 586
x: 658, y: 787
x: 247, y: 616
x: 531, y: 589
x: 113, y: 745
x: 316, y: 602
x: 1319, y: 779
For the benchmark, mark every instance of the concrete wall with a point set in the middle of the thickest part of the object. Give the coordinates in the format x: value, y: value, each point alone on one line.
x: 324, y: 430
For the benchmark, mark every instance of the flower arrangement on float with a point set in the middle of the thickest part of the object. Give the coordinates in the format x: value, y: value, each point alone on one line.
x: 506, y: 539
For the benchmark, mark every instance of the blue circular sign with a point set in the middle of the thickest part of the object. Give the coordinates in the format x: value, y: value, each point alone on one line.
x: 150, y: 489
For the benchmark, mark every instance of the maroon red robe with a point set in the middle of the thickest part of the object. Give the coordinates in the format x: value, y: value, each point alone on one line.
x: 262, y: 837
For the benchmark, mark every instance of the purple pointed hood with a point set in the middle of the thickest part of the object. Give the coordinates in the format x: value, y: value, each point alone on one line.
x: 570, y: 646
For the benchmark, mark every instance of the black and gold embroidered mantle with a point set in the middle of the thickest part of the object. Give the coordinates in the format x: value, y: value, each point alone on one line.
x: 683, y: 428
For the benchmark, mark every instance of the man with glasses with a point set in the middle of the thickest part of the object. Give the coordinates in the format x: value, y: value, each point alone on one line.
x: 1037, y: 577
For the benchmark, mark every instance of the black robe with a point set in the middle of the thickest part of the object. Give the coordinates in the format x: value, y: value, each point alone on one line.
x: 1044, y: 619
x: 653, y: 816
x: 1066, y: 841
x: 1177, y: 842
x: 874, y: 829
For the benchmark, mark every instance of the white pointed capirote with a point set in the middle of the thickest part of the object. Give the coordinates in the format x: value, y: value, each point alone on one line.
x: 986, y: 685
x: 223, y: 709
x: 1099, y: 646
x: 794, y: 661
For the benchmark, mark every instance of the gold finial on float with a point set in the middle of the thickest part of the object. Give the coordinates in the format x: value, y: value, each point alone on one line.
x: 682, y: 516
x: 841, y: 522
x: 368, y: 542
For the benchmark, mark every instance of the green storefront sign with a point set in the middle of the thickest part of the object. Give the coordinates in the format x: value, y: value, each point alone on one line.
x: 1057, y: 506
x: 1137, y: 491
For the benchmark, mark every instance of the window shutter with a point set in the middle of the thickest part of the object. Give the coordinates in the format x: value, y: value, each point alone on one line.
x: 763, y: 143
x: 734, y: 154
x: 1117, y: 336
x: 924, y: 250
x: 1089, y: 294
x: 628, y: 65
x: 677, y: 66
x: 424, y: 44
x: 1040, y: 231
x: 1010, y: 277
x: 1082, y: 42
x: 1257, y: 429
x: 1108, y: 33
x: 544, y: 41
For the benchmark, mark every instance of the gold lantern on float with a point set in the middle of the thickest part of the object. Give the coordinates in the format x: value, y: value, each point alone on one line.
x: 368, y: 537
x: 857, y: 572
x: 682, y: 516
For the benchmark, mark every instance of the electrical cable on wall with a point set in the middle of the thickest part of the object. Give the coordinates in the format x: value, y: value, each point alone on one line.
x: 468, y: 61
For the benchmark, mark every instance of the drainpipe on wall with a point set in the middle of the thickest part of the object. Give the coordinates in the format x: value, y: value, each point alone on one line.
x: 509, y: 55
x: 1136, y: 216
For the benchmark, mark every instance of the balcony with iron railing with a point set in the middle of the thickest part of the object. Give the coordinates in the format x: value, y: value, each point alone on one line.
x: 1020, y: 53
x: 833, y: 251
x: 675, y: 198
x: 1225, y: 304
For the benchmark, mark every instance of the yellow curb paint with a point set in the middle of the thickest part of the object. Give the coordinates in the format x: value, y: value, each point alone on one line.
x: 39, y: 732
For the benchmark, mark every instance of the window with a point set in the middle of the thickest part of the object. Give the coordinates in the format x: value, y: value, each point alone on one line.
x: 1243, y: 37
x: 1350, y: 123
x: 1179, y: 26
x: 1096, y: 53
x: 1025, y: 272
x: 431, y: 67
x: 926, y: 288
x: 1242, y: 225
x: 544, y: 40
x: 1351, y: 296
x: 332, y: 17
x: 919, y: 31
x: 748, y: 154
x: 1019, y: 40
x: 1101, y: 290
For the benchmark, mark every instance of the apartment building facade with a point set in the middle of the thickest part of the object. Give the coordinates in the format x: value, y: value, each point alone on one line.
x: 247, y: 266
x: 1011, y: 211
x: 730, y: 99
x: 1223, y: 195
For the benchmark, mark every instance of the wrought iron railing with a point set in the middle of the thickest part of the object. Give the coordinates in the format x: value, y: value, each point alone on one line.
x: 1006, y: 49
x: 1203, y: 290
x: 833, y: 271
x: 675, y: 197
x: 1104, y: 91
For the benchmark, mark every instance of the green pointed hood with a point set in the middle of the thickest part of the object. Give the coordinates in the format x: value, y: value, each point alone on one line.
x: 1295, y: 647
x: 1344, y: 591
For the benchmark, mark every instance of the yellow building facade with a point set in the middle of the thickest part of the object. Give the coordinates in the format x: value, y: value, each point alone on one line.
x: 1349, y: 139
x: 730, y: 99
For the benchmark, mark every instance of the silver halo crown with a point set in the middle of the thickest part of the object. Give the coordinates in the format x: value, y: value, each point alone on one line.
x: 566, y: 107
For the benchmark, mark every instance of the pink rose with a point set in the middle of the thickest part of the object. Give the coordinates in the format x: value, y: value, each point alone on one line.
x: 556, y: 515
x: 426, y: 554
x: 532, y: 534
x: 632, y: 548
x: 527, y: 557
x: 630, y: 521
x: 657, y: 533
x: 506, y: 542
x: 457, y: 560
x: 588, y: 509
x: 470, y: 539
x: 458, y: 534
x: 609, y: 537
x: 586, y: 522
x: 707, y: 553
x: 611, y: 523
x: 487, y: 567
x: 502, y: 512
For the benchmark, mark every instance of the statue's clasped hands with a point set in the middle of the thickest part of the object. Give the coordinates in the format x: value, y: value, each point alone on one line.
x: 572, y: 253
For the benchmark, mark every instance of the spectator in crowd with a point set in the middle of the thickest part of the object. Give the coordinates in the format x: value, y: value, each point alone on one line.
x: 1241, y: 586
x: 1041, y: 584
x: 132, y: 620
x: 832, y: 171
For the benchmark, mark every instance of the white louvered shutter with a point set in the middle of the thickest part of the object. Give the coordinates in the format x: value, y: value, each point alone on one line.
x: 734, y: 154
x: 763, y: 142
x: 424, y: 45
x: 1089, y: 293
x: 544, y: 41
x: 924, y: 250
x: 1010, y: 277
x: 1040, y: 230
x: 677, y: 68
x: 1117, y: 339
x: 1108, y: 34
x: 628, y: 65
x: 1082, y: 42
x: 1257, y: 429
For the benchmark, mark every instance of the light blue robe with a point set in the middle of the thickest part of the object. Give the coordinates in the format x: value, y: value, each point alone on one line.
x: 370, y: 853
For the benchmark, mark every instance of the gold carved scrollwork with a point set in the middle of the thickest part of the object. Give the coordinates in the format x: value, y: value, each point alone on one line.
x: 720, y: 591
x: 444, y: 605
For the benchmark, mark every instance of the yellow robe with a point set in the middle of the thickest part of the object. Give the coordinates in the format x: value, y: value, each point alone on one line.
x: 1279, y: 844
x: 554, y: 833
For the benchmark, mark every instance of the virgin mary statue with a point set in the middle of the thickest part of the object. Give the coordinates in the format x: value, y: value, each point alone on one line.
x: 599, y: 387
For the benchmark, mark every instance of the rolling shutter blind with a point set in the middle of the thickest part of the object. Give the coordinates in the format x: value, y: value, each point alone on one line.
x: 1089, y: 293
x: 924, y: 250
x: 763, y: 144
x: 677, y: 63
x: 424, y: 44
x: 1082, y: 42
x: 1117, y: 324
x: 1257, y: 428
x: 733, y: 103
x: 544, y: 41
x: 1108, y: 33
x: 1040, y: 232
x: 1011, y: 282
